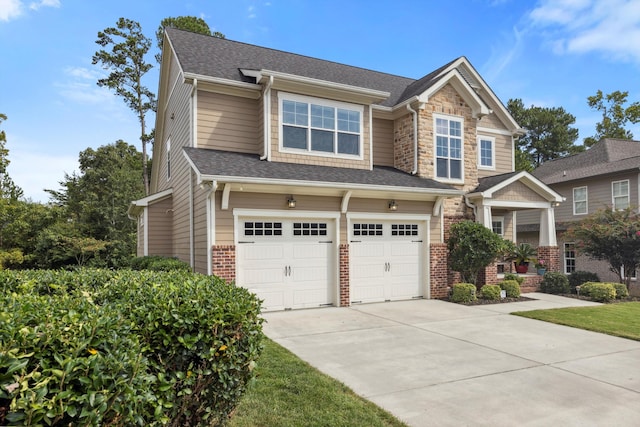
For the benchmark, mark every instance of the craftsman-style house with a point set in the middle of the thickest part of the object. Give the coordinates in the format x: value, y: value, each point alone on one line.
x: 316, y: 183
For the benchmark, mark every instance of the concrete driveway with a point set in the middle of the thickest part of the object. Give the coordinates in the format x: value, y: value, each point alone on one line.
x: 433, y: 363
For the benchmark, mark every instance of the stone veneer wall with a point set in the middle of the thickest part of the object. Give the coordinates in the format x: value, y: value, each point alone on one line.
x: 344, y: 276
x: 224, y: 262
x: 403, y: 143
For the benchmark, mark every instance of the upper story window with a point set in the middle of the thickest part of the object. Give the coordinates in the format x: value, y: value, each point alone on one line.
x: 486, y: 152
x: 620, y: 194
x: 580, y: 201
x: 320, y: 127
x: 449, y: 151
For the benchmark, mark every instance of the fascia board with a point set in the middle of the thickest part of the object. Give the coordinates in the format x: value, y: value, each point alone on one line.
x: 324, y: 184
x: 527, y: 179
x: 466, y: 91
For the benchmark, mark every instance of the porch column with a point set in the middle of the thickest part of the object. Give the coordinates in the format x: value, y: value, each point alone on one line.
x: 547, y: 227
x: 484, y: 216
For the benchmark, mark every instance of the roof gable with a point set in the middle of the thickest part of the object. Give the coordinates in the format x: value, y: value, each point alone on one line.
x: 494, y: 185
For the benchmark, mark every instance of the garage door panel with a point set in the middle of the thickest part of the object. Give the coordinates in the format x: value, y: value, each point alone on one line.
x: 262, y: 277
x: 368, y: 293
x: 401, y: 249
x: 319, y: 251
x: 271, y: 300
x: 367, y: 249
x: 262, y: 251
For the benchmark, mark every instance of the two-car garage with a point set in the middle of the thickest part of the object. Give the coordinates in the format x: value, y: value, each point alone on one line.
x: 291, y: 259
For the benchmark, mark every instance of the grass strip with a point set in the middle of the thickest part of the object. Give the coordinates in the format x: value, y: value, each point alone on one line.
x: 290, y: 392
x: 620, y: 319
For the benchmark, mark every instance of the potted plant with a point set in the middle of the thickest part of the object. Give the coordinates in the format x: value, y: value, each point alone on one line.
x: 521, y: 255
x: 541, y: 266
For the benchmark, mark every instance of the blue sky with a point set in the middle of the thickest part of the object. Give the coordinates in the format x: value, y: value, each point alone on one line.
x: 551, y: 53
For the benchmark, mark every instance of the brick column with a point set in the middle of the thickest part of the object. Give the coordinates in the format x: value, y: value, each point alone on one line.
x: 551, y: 256
x: 224, y: 262
x: 439, y: 270
x: 344, y: 276
x: 488, y: 276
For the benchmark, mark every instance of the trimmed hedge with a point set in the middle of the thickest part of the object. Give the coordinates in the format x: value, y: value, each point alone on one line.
x: 159, y: 263
x: 490, y: 292
x: 512, y: 287
x: 554, y: 283
x: 100, y: 347
x: 577, y: 278
x: 463, y: 293
x: 516, y: 277
x: 621, y: 290
x: 601, y: 292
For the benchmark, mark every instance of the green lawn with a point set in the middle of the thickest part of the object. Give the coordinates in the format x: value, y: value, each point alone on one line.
x: 621, y: 320
x: 289, y: 392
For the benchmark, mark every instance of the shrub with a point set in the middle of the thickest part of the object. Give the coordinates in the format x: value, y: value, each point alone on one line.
x: 463, y: 293
x: 97, y: 347
x: 601, y: 292
x: 517, y: 278
x: 512, y: 287
x: 159, y: 263
x: 577, y: 278
x: 621, y: 290
x: 490, y: 292
x: 554, y: 283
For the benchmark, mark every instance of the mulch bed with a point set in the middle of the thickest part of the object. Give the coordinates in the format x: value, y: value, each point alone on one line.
x: 481, y: 301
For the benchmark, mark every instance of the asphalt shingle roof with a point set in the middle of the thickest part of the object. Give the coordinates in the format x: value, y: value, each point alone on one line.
x: 491, y: 181
x: 215, y: 57
x: 607, y: 156
x: 231, y: 164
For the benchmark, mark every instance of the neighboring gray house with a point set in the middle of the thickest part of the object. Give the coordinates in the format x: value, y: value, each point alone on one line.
x: 314, y: 183
x: 606, y: 175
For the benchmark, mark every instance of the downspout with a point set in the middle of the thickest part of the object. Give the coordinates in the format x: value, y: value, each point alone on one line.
x: 415, y: 139
x: 211, y: 223
x: 194, y: 121
x: 471, y: 206
x: 267, y: 121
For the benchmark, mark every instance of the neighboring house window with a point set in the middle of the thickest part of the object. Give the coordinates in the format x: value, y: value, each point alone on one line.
x: 168, y: 159
x: 620, y: 192
x: 497, y: 225
x: 449, y: 148
x: 633, y: 275
x: 320, y: 126
x: 569, y: 258
x: 580, y: 201
x: 486, y: 152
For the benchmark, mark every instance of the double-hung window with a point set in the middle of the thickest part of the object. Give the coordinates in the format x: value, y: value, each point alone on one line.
x: 321, y: 127
x: 486, y: 152
x: 569, y: 258
x: 448, y: 139
x: 497, y: 225
x: 620, y: 194
x: 580, y: 201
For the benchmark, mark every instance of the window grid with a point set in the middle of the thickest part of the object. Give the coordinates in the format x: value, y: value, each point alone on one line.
x: 448, y: 149
x: 404, y: 229
x: 309, y: 229
x: 485, y: 153
x: 620, y: 194
x: 263, y: 228
x: 320, y: 134
x: 580, y: 201
x: 569, y: 258
x: 498, y: 227
x: 361, y: 229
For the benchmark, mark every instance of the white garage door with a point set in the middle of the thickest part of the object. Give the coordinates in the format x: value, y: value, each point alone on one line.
x: 288, y: 263
x: 386, y: 260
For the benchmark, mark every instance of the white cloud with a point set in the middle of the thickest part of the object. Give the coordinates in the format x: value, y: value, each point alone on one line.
x: 44, y: 3
x: 503, y: 55
x: 611, y: 27
x: 252, y: 12
x: 10, y: 9
x: 81, y: 87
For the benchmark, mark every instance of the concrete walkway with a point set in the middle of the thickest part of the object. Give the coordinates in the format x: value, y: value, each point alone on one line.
x: 433, y: 363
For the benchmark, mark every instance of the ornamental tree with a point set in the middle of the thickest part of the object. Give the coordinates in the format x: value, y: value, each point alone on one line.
x: 612, y: 236
x: 473, y: 247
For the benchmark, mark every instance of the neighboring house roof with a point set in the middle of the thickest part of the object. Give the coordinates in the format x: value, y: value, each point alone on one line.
x: 607, y: 156
x: 231, y: 165
x: 226, y: 59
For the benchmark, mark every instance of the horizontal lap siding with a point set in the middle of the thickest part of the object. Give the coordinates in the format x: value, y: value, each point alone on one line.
x: 159, y: 223
x: 200, y: 228
x: 229, y: 123
x: 383, y: 142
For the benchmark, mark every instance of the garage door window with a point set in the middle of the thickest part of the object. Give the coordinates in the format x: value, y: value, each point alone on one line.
x: 309, y: 229
x: 263, y: 229
x: 404, y: 229
x: 367, y: 229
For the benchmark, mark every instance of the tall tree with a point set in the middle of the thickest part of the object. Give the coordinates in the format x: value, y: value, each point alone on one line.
x: 8, y: 189
x: 612, y: 236
x: 549, y: 134
x: 97, y: 198
x: 615, y: 116
x: 127, y: 66
x: 187, y: 23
